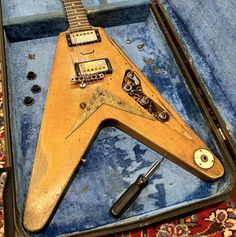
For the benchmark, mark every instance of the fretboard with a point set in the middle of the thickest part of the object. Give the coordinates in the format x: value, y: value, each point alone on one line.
x: 76, y: 15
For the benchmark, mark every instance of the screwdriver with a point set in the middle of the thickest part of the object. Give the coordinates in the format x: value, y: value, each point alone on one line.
x: 129, y: 196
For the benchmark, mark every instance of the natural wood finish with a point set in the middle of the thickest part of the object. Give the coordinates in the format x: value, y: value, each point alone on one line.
x: 67, y: 130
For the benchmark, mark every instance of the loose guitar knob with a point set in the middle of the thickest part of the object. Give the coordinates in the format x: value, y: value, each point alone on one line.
x: 31, y: 76
x: 28, y: 101
x: 36, y: 89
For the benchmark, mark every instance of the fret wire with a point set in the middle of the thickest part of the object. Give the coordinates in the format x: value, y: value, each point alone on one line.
x: 80, y: 22
x: 73, y: 4
x: 76, y: 20
x: 74, y: 7
x: 77, y: 16
x: 70, y: 9
x: 76, y: 10
x: 77, y: 2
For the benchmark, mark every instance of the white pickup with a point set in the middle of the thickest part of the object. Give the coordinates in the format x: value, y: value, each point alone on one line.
x: 102, y: 65
x: 83, y: 37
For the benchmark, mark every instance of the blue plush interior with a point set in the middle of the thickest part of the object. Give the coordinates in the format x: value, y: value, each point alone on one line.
x: 47, y: 18
x: 115, y: 159
x: 207, y: 29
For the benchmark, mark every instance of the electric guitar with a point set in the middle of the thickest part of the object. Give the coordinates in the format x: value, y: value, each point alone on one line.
x: 93, y: 82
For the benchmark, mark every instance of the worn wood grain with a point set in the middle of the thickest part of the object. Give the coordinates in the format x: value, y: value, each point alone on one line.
x: 67, y: 130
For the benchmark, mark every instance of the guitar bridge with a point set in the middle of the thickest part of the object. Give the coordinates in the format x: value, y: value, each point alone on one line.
x: 132, y: 86
x: 83, y: 37
x: 84, y: 80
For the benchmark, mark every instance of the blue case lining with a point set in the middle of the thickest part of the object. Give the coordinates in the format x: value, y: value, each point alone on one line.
x: 116, y: 157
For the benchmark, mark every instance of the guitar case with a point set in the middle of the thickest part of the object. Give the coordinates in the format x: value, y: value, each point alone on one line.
x: 186, y: 49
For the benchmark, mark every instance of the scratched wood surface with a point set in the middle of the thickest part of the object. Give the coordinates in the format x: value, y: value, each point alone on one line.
x: 67, y: 129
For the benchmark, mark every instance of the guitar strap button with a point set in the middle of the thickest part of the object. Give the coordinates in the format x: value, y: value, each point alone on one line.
x: 204, y: 158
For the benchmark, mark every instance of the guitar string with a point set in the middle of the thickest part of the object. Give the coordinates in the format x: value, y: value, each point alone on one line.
x: 96, y: 74
x: 72, y: 10
x: 84, y: 39
x: 76, y: 49
x: 67, y: 8
x: 84, y: 43
x: 81, y: 44
x: 75, y: 9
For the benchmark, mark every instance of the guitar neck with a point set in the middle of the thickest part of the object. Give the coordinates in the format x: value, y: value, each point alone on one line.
x: 76, y: 15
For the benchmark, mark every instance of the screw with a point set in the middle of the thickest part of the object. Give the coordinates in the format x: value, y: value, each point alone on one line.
x: 128, y: 41
x: 164, y: 73
x: 83, y: 161
x: 157, y: 70
x: 31, y: 56
x: 140, y: 47
x: 83, y: 105
x: 204, y: 158
x: 83, y: 84
x: 148, y: 61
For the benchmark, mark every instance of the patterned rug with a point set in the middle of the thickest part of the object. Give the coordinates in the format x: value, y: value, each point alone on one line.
x: 218, y: 220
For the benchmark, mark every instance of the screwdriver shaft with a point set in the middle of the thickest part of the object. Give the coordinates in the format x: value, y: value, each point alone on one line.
x: 153, y: 168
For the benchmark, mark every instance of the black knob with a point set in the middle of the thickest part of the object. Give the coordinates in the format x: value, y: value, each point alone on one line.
x: 36, y: 89
x: 28, y: 101
x: 31, y: 76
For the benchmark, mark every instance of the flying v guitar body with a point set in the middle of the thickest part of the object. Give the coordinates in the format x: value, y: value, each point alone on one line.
x: 92, y: 84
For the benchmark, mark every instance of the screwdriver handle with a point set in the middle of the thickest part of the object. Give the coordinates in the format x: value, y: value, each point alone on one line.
x: 127, y: 198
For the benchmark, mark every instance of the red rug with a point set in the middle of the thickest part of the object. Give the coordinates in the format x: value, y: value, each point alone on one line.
x: 216, y: 221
